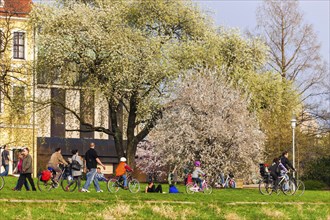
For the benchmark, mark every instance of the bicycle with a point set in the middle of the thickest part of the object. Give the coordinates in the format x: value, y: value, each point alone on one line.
x: 65, y: 180
x: 115, y: 184
x: 192, y: 188
x: 228, y: 183
x: 2, y: 182
x: 266, y: 186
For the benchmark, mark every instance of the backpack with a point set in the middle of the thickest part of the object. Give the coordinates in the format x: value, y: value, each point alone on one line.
x: 173, y: 189
x: 46, y: 175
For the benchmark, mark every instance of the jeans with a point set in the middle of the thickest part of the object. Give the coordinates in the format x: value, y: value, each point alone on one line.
x: 125, y: 180
x: 91, y: 177
x: 198, y: 181
x: 5, y: 173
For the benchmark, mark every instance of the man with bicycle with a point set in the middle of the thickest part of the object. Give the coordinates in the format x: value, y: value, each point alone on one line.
x: 285, y: 161
x: 55, y: 160
x: 91, y: 161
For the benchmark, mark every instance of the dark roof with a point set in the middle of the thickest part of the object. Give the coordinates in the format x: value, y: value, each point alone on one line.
x: 105, y: 148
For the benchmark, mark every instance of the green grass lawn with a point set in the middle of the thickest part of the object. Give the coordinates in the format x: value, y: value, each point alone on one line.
x: 221, y: 204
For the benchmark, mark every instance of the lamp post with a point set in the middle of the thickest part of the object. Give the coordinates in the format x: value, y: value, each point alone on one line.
x: 293, y: 126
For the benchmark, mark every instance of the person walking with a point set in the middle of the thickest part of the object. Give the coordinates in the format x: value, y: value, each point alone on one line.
x: 19, y: 171
x: 26, y: 172
x: 5, y: 161
x: 76, y: 173
x: 91, y: 161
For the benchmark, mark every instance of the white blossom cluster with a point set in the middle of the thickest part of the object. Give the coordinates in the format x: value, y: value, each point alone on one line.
x: 208, y: 121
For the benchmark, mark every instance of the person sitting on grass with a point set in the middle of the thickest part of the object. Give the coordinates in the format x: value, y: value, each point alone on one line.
x: 152, y: 189
x: 121, y: 170
x: 100, y: 176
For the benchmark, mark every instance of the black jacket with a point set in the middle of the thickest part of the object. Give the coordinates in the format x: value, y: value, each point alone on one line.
x: 285, y: 161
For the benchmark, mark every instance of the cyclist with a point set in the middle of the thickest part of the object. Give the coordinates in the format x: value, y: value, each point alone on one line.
x: 121, y: 170
x: 285, y: 161
x: 196, y: 173
x: 276, y: 170
x: 55, y: 160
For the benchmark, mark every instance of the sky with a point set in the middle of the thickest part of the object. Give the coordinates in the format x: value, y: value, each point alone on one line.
x: 242, y: 14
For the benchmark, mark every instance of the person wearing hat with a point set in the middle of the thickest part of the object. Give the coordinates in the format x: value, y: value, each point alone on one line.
x: 121, y: 170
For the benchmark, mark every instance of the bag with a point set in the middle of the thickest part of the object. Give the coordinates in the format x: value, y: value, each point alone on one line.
x: 75, y: 165
x: 173, y: 189
x: 46, y: 175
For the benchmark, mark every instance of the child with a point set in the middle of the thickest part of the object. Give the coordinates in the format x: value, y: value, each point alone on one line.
x: 276, y: 170
x: 197, y: 171
x: 99, y: 175
x: 121, y: 170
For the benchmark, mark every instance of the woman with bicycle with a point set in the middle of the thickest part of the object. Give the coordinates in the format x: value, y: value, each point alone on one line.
x: 76, y: 173
x: 276, y: 170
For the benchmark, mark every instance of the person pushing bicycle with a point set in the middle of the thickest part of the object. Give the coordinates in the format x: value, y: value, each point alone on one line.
x: 121, y: 170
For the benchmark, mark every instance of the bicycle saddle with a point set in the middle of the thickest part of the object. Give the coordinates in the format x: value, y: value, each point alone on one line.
x: 50, y: 169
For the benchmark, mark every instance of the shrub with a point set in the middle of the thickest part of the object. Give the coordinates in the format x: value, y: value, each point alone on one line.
x: 318, y: 170
x: 314, y: 185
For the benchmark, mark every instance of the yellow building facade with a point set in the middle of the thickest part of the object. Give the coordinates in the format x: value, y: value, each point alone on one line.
x: 17, y: 55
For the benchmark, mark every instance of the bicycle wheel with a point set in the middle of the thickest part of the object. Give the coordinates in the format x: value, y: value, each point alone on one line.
x: 265, y: 188
x: 288, y: 187
x: 189, y: 188
x: 134, y: 186
x: 70, y: 183
x: 2, y: 182
x: 232, y: 184
x: 300, y: 188
x: 113, y: 185
x: 44, y: 186
x: 207, y: 189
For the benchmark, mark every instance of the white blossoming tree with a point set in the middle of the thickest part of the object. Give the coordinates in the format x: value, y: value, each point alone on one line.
x: 208, y: 121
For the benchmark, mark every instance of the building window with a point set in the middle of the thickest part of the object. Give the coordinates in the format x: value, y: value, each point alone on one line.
x: 19, y: 45
x: 2, y: 3
x: 57, y: 113
x: 86, y: 113
x: 19, y: 99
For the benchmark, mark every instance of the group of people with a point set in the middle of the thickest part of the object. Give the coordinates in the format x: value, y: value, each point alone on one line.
x: 24, y: 169
x: 280, y: 167
x: 89, y: 165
